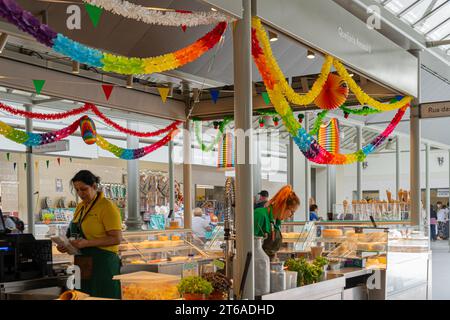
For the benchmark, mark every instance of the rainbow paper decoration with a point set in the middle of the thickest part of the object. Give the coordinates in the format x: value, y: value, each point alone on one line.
x: 226, y: 154
x: 329, y: 136
x: 36, y: 139
x: 88, y: 130
x: 25, y: 21
x: 334, y: 93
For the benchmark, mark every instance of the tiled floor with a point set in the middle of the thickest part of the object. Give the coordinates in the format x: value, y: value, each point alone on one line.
x: 441, y: 270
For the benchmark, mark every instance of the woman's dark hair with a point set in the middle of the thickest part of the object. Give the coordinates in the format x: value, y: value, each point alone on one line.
x: 313, y: 207
x: 86, y: 177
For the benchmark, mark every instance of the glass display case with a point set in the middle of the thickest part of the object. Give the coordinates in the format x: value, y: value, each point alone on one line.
x: 162, y: 251
x: 298, y: 238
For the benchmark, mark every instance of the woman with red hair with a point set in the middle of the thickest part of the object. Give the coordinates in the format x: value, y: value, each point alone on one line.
x: 267, y: 220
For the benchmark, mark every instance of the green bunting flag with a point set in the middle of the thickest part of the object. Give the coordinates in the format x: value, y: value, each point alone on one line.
x: 7, y: 155
x: 94, y: 13
x: 25, y: 166
x: 38, y: 85
x: 266, y: 98
x: 48, y: 163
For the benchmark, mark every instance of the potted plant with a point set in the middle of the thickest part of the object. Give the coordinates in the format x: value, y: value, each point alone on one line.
x: 220, y: 283
x: 308, y: 273
x: 321, y: 262
x: 194, y: 288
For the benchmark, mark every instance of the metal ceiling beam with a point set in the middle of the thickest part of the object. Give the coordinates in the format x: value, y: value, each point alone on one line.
x: 437, y: 26
x: 429, y: 14
x: 409, y: 8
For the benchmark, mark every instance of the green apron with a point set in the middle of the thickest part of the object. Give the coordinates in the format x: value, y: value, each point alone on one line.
x: 104, y: 265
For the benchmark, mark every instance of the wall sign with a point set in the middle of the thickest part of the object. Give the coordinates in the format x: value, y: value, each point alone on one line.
x: 435, y: 110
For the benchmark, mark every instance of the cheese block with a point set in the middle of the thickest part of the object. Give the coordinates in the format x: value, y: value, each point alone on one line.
x: 332, y: 233
x: 174, y: 238
x: 163, y: 238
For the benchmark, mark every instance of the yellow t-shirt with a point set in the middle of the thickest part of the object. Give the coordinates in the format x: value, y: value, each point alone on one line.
x: 104, y: 216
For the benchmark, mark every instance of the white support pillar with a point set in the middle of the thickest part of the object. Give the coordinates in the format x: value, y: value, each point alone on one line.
x: 307, y: 172
x: 415, y: 141
x: 133, y: 221
x: 427, y: 203
x: 257, y: 180
x: 243, y: 101
x: 359, y: 138
x: 187, y: 175
x: 397, y: 165
x: 171, y: 178
x: 290, y: 161
x: 30, y: 177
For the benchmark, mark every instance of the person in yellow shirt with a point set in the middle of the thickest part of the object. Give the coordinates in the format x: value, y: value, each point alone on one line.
x: 96, y: 230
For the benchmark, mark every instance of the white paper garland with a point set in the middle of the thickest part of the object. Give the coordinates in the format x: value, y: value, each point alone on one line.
x: 158, y: 17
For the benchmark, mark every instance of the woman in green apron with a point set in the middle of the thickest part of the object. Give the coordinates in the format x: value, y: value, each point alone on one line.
x: 96, y: 231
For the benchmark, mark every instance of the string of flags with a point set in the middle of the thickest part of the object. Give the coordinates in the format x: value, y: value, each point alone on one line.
x: 36, y: 163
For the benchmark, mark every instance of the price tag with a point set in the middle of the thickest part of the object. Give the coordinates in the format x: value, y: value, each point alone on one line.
x: 219, y: 264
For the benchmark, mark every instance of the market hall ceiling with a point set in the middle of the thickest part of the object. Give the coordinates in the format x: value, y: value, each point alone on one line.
x: 133, y: 38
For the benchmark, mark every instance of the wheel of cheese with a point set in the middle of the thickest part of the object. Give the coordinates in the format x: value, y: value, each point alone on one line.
x: 332, y: 233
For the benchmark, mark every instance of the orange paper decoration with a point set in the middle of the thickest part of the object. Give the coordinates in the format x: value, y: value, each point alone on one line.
x: 334, y: 93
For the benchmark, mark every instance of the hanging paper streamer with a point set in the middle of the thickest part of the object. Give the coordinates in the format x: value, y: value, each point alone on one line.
x: 198, y: 133
x: 36, y: 139
x: 25, y: 21
x: 163, y: 92
x: 272, y: 74
x: 107, y: 90
x: 226, y: 154
x: 94, y: 13
x: 329, y: 136
x: 87, y: 107
x: 214, y: 95
x: 318, y: 122
x: 147, y: 15
x: 88, y: 130
x: 334, y: 93
x: 132, y: 154
x: 38, y: 85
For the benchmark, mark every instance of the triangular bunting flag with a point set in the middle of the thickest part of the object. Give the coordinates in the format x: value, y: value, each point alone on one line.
x: 36, y: 164
x: 107, y: 89
x: 25, y: 166
x: 47, y: 162
x: 38, y: 85
x: 70, y: 159
x: 266, y: 98
x: 214, y: 95
x: 59, y: 160
x: 15, y: 165
x: 94, y: 13
x: 184, y: 27
x: 7, y: 155
x: 163, y: 92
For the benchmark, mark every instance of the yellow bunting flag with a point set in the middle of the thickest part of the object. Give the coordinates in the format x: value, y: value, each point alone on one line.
x: 163, y: 92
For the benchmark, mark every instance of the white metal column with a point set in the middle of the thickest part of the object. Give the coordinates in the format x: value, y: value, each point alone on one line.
x: 427, y: 203
x: 359, y: 137
x: 243, y: 111
x: 397, y: 166
x: 187, y: 175
x: 133, y: 221
x: 415, y: 141
x: 290, y: 161
x: 30, y: 176
x: 171, y: 178
x: 307, y: 172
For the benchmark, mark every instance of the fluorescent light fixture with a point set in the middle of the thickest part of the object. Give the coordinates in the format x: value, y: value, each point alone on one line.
x: 273, y: 36
x: 311, y: 55
x: 3, y: 41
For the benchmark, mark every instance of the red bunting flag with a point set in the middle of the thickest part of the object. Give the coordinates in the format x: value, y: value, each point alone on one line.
x: 184, y: 27
x: 107, y: 90
x: 59, y: 160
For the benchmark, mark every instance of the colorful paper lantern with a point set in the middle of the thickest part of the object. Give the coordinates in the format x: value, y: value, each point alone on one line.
x: 329, y: 137
x: 88, y: 130
x: 226, y: 152
x: 334, y: 93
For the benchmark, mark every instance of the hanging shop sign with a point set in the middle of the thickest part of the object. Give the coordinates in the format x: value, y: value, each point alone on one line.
x: 443, y: 193
x: 345, y: 37
x: 58, y: 146
x: 435, y: 110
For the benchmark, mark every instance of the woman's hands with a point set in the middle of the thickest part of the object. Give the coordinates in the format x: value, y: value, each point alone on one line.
x: 80, y: 244
x: 61, y: 249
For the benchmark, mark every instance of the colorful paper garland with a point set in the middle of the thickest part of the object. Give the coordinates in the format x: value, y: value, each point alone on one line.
x: 25, y: 21
x: 157, y: 17
x: 87, y: 107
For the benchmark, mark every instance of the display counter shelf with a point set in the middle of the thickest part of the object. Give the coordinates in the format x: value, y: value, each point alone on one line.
x: 134, y: 252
